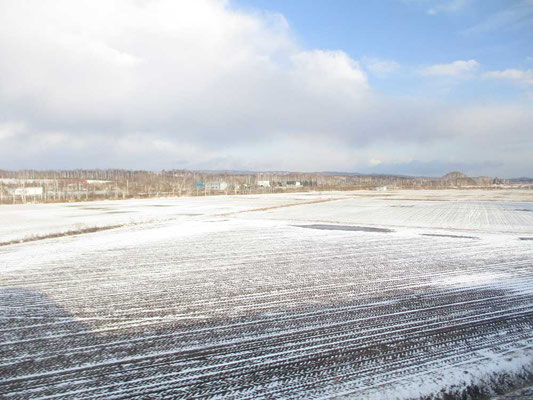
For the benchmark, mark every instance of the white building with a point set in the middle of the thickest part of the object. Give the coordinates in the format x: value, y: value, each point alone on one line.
x: 27, y: 191
x: 263, y: 183
x: 293, y: 183
x: 216, y: 185
x: 97, y: 182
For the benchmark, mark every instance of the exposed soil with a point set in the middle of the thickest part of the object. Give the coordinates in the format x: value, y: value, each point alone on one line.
x: 345, y: 228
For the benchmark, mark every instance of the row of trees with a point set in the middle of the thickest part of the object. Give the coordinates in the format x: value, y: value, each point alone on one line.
x: 80, y: 184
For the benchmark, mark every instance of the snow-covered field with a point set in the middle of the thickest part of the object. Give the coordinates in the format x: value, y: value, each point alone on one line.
x: 23, y: 221
x: 354, y: 294
x: 492, y: 209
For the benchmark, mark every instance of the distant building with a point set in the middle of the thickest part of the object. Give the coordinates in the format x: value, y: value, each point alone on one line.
x: 216, y: 185
x: 293, y: 183
x: 381, y: 189
x: 27, y: 191
x: 97, y: 182
x: 263, y: 183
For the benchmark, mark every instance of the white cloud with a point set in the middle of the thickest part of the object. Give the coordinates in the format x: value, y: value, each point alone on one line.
x: 523, y: 77
x: 455, y: 68
x: 434, y: 7
x: 446, y: 6
x: 380, y: 67
x: 516, y: 15
x: 192, y: 69
x: 199, y: 84
x: 10, y: 129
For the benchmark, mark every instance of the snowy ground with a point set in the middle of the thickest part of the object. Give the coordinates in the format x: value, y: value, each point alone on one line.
x: 486, y: 209
x: 353, y: 294
x: 23, y: 221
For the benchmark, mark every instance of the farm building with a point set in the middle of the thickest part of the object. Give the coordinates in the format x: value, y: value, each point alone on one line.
x: 293, y: 183
x: 28, y: 191
x: 216, y: 185
x: 263, y: 183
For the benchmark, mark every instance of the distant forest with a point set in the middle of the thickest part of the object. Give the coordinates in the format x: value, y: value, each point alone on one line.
x: 82, y: 184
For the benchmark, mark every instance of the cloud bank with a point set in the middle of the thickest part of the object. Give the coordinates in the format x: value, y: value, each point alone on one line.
x: 523, y: 77
x: 199, y: 84
x: 455, y: 68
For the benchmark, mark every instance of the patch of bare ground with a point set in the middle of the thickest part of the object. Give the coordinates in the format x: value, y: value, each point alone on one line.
x: 61, y: 234
x: 496, y: 387
x: 522, y: 393
x: 450, y: 236
x: 331, y: 227
x: 279, y: 206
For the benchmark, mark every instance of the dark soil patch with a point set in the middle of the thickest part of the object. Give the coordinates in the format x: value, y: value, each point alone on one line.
x: 187, y: 215
x: 328, y: 227
x: 450, y: 236
x: 61, y: 234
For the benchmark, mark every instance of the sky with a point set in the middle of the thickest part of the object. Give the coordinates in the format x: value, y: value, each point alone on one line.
x: 411, y: 87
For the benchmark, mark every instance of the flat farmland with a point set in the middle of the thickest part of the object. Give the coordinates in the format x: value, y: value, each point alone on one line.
x: 395, y: 295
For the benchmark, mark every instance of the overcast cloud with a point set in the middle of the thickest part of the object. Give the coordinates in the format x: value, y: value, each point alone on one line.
x: 198, y: 84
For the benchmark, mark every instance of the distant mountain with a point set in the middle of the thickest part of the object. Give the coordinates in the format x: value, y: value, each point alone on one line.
x: 522, y: 179
x: 339, y: 173
x: 455, y: 175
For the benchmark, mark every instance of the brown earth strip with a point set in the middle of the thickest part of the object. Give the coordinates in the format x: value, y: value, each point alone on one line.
x: 276, y: 207
x: 61, y: 234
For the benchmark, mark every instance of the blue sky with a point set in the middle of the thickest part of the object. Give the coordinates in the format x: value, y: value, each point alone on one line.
x: 414, y: 34
x: 498, y: 33
x: 418, y: 87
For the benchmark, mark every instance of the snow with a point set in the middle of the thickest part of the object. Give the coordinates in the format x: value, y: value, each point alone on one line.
x: 23, y: 221
x: 481, y: 372
x: 497, y: 210
x: 241, y: 300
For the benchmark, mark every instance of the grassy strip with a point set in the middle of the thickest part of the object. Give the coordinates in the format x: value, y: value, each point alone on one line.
x: 61, y: 234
